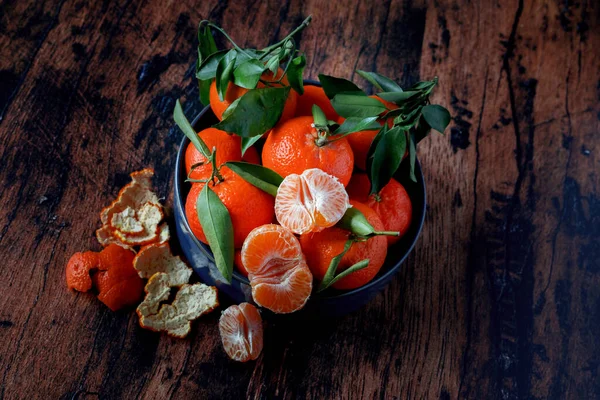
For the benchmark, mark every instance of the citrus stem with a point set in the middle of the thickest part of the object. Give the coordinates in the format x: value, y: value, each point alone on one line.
x: 386, y: 233
x: 215, y: 169
x: 234, y: 44
x: 303, y: 25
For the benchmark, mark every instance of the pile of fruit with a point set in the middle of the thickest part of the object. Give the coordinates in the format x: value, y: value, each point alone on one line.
x: 295, y: 185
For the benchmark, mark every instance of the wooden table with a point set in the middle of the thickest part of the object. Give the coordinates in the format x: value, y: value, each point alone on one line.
x: 501, y: 297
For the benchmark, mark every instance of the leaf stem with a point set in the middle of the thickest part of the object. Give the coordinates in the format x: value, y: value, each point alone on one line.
x: 303, y: 25
x: 234, y: 44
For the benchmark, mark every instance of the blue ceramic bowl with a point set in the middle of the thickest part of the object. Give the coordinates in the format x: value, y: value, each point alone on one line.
x: 329, y: 303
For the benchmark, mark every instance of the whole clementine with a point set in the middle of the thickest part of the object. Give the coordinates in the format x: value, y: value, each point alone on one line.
x: 319, y: 248
x: 234, y: 92
x: 392, y: 203
x: 315, y: 95
x: 229, y: 148
x: 248, y: 206
x: 292, y: 147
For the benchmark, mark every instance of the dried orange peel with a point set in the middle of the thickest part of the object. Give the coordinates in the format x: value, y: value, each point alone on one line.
x: 166, y: 272
x: 134, y: 218
x: 157, y: 258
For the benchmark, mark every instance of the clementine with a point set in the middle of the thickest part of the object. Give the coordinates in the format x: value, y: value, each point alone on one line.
x: 294, y: 146
x: 248, y: 206
x: 315, y: 95
x: 228, y: 147
x: 320, y: 248
x: 392, y: 203
x: 241, y: 332
x: 234, y: 92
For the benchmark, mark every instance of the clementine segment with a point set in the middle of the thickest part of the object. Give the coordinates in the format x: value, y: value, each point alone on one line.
x: 228, y: 147
x: 292, y: 148
x: 310, y: 202
x: 320, y: 248
x: 315, y: 95
x: 248, y: 206
x: 392, y: 203
x: 241, y: 332
x: 279, y: 276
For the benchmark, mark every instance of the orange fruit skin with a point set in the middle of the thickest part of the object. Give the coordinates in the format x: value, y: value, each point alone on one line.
x: 393, y: 206
x: 78, y: 270
x: 241, y: 332
x: 237, y: 261
x: 315, y: 95
x: 291, y: 149
x: 117, y: 282
x: 234, y: 92
x: 251, y: 156
x: 320, y: 247
x: 248, y: 206
x: 360, y: 143
x: 229, y: 148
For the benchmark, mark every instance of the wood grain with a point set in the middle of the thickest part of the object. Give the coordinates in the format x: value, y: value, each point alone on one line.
x: 500, y: 298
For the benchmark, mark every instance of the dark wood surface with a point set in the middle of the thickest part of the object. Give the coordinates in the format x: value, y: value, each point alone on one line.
x: 501, y: 297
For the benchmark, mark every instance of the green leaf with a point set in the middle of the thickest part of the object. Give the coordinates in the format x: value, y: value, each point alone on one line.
x: 357, y: 124
x: 188, y: 130
x: 358, y: 266
x: 248, y: 73
x: 350, y: 105
x: 384, y: 160
x: 424, y: 86
x: 206, y: 43
x: 216, y: 225
x: 332, y: 86
x: 333, y: 265
x: 381, y: 82
x: 273, y: 64
x: 230, y: 109
x: 208, y: 68
x: 436, y: 116
x: 257, y: 111
x: 422, y: 130
x: 295, y: 72
x: 262, y: 177
x: 412, y: 155
x: 397, y: 97
x: 204, y: 90
x: 248, y: 142
x: 355, y: 222
x: 224, y: 72
x: 319, y: 116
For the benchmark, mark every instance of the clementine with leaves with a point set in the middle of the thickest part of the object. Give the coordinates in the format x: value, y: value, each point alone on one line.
x: 392, y: 203
x: 315, y: 95
x: 297, y: 145
x: 234, y: 92
x: 321, y: 247
x: 248, y: 206
x: 228, y: 147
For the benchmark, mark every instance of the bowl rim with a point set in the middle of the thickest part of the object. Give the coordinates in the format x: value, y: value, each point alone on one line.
x: 178, y: 198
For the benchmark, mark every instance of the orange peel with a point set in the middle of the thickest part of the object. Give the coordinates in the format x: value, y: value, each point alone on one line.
x: 191, y: 302
x: 134, y: 218
x: 166, y: 271
x: 157, y: 258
